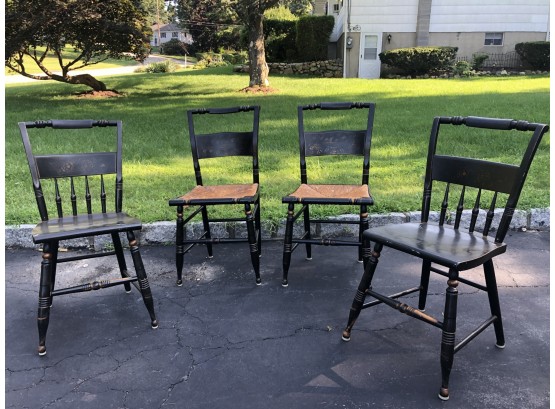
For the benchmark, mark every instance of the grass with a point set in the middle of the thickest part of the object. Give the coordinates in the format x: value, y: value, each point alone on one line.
x: 52, y: 63
x: 157, y: 160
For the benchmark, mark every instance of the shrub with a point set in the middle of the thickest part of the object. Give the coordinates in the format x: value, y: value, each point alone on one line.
x: 313, y: 33
x: 162, y: 66
x: 420, y: 60
x: 478, y: 61
x: 173, y: 47
x: 235, y: 57
x: 279, y: 34
x: 535, y: 53
x: 463, y: 68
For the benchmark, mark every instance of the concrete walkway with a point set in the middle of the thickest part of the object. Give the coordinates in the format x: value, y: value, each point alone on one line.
x: 223, y: 342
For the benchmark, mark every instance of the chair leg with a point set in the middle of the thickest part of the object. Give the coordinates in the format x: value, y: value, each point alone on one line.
x: 288, y: 243
x: 255, y: 257
x: 258, y: 226
x: 306, y: 217
x: 360, y: 295
x: 54, y: 251
x: 491, y: 284
x: 121, y: 259
x: 179, y: 246
x: 448, y: 334
x: 142, y: 278
x: 363, y: 225
x: 45, y: 295
x: 424, y: 281
x: 206, y: 225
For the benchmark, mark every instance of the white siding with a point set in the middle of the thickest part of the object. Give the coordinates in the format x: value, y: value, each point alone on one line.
x: 489, y: 15
x: 384, y: 15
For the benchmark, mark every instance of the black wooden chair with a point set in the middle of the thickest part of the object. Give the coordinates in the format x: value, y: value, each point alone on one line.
x: 450, y: 250
x: 218, y: 144
x: 79, y: 172
x: 323, y: 142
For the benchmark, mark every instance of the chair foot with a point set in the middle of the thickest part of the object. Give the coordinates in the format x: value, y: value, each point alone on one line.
x: 210, y: 256
x: 42, y: 350
x: 179, y: 283
x: 360, y: 261
x: 154, y: 324
x: 285, y: 283
x: 500, y: 346
x: 346, y: 336
x: 128, y: 291
x: 308, y: 258
x: 443, y: 394
x: 258, y: 281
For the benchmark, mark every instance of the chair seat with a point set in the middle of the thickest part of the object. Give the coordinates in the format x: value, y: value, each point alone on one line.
x: 83, y: 225
x: 218, y: 194
x: 439, y: 244
x: 330, y: 194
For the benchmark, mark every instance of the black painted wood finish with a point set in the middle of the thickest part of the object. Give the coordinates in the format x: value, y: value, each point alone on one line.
x: 220, y: 144
x: 323, y: 142
x: 450, y: 249
x: 84, y: 213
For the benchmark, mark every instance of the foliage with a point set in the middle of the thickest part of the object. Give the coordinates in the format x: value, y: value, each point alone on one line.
x: 157, y: 67
x: 313, y: 33
x: 420, y: 60
x: 535, y: 53
x: 280, y: 27
x: 158, y: 10
x: 174, y: 47
x: 463, y: 69
x: 478, y: 61
x: 96, y: 29
x: 298, y: 7
x: 157, y: 158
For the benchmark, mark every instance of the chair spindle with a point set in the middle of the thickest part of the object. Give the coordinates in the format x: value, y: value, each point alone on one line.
x: 88, y: 195
x: 444, y: 206
x: 460, y: 208
x: 489, y: 217
x: 58, y: 199
x: 73, y: 197
x: 102, y: 194
x: 475, y: 211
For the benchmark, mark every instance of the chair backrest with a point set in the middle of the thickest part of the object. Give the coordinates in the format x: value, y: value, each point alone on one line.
x: 225, y: 142
x: 484, y: 177
x: 73, y: 171
x: 336, y: 141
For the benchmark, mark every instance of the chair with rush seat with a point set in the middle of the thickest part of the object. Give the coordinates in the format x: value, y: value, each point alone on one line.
x: 326, y: 142
x: 74, y: 173
x: 222, y: 143
x: 451, y: 250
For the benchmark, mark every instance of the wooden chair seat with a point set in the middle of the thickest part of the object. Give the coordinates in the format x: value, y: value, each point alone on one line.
x: 340, y: 194
x: 443, y: 245
x: 84, y: 225
x: 219, y: 194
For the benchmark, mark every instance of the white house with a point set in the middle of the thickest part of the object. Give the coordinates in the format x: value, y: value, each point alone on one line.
x: 365, y: 28
x: 165, y: 32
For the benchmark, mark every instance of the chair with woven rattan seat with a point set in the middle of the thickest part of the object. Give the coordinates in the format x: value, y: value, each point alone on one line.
x: 455, y: 182
x: 223, y: 143
x: 329, y: 141
x: 74, y: 173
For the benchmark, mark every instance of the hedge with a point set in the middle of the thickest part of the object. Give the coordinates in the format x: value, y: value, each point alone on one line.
x: 313, y: 33
x: 420, y: 60
x: 535, y: 53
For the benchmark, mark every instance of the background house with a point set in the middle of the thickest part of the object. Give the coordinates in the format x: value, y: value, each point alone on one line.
x: 365, y: 28
x: 166, y: 32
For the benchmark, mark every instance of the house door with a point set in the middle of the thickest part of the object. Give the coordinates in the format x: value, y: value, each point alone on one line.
x: 370, y: 47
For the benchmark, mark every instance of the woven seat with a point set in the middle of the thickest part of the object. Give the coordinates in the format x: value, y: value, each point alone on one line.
x: 64, y: 172
x: 221, y: 144
x: 329, y: 142
x: 331, y: 194
x: 451, y: 250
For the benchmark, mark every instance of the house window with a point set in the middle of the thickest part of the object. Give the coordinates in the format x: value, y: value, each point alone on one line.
x: 175, y: 34
x: 370, y: 47
x: 493, y: 39
x: 163, y: 35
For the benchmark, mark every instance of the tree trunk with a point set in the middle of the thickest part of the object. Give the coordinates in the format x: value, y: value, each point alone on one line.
x: 88, y: 80
x: 258, y: 70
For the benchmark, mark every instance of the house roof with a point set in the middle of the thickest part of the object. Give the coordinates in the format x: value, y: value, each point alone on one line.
x: 168, y: 27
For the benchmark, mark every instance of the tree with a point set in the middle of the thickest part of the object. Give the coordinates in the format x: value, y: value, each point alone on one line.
x: 252, y: 14
x: 95, y: 29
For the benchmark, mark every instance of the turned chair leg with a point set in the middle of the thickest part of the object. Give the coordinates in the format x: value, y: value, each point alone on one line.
x: 179, y: 246
x: 495, y: 308
x: 255, y: 257
x: 206, y: 226
x: 360, y: 295
x: 363, y: 225
x: 258, y: 226
x: 424, y: 282
x: 121, y: 259
x: 448, y: 334
x: 45, y: 296
x: 142, y: 278
x: 288, y: 244
x: 306, y: 217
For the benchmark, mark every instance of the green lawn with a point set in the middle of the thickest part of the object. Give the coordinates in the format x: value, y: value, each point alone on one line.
x: 157, y: 160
